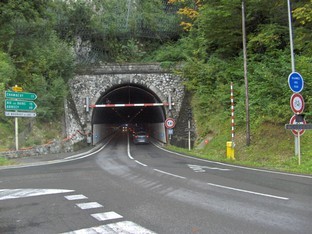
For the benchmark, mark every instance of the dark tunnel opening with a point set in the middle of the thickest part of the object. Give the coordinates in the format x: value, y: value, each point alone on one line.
x: 128, y: 94
x: 110, y: 117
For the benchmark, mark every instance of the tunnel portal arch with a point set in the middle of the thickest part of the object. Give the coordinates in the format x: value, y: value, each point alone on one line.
x: 145, y: 83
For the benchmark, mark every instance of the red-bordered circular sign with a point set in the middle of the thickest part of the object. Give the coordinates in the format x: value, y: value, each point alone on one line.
x: 293, y: 121
x: 169, y: 123
x: 297, y: 103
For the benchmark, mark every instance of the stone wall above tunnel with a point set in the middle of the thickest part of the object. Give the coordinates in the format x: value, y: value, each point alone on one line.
x: 95, y: 81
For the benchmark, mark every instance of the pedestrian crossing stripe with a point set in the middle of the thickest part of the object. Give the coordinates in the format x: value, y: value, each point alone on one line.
x: 114, y: 228
x: 6, y: 194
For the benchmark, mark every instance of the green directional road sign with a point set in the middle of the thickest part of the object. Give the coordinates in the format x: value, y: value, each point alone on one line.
x: 20, y: 105
x: 20, y: 95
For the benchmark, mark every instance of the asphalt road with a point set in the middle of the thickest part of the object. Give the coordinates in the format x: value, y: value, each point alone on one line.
x: 127, y: 188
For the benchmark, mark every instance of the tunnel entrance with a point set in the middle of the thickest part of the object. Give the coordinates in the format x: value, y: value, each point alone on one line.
x: 118, y: 107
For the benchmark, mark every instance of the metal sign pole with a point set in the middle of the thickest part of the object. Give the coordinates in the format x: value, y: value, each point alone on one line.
x: 292, y: 60
x: 299, y: 156
x: 189, y: 135
x: 16, y: 133
x: 291, y: 38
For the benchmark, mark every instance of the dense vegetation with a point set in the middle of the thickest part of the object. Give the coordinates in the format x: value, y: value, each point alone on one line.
x: 43, y: 42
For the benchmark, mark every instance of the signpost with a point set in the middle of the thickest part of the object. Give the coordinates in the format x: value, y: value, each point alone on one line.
x: 20, y: 95
x: 18, y: 101
x: 17, y: 88
x: 295, y: 126
x: 297, y: 103
x: 20, y: 114
x: 20, y: 105
x: 295, y: 82
x: 169, y: 123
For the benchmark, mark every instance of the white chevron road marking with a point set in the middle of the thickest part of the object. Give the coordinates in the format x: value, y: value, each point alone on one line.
x: 6, y: 194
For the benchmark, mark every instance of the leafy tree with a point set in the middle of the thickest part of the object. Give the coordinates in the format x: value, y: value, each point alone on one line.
x: 189, y: 11
x: 212, y: 56
x: 7, y: 72
x: 28, y: 38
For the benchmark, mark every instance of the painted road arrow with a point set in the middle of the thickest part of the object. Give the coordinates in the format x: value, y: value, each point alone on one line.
x: 198, y: 168
x: 20, y: 95
x: 20, y: 105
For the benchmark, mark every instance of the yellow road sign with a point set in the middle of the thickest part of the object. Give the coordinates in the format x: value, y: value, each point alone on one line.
x: 17, y: 89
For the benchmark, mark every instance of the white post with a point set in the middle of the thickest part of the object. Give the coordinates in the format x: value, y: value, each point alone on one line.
x: 232, y: 115
x: 16, y: 133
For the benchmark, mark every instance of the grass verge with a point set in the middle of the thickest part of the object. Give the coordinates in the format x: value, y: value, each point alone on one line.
x: 272, y: 148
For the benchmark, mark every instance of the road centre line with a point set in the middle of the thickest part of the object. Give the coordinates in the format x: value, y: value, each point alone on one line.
x: 167, y: 173
x: 247, y: 191
x: 235, y: 166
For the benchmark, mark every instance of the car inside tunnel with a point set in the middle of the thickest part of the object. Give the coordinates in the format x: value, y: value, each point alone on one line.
x: 108, y: 112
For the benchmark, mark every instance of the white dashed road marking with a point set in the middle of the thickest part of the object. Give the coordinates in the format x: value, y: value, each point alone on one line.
x: 247, y: 191
x: 89, y: 205
x: 167, y: 173
x: 76, y: 197
x: 106, y: 216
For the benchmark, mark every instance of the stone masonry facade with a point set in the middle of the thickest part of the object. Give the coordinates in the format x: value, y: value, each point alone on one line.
x: 94, y: 82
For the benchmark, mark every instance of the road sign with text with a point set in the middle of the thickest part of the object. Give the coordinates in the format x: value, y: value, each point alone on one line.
x: 20, y: 114
x: 20, y: 105
x: 295, y: 82
x: 20, y: 95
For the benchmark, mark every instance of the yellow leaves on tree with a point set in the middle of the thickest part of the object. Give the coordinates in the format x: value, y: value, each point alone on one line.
x: 189, y: 9
x: 304, y: 14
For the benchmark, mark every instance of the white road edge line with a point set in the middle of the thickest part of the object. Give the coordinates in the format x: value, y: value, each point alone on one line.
x: 128, y: 149
x: 68, y: 159
x: 167, y: 173
x: 247, y: 191
x: 140, y: 163
x: 130, y: 156
x: 235, y: 166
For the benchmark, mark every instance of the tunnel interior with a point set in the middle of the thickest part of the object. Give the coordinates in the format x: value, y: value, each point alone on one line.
x: 128, y: 94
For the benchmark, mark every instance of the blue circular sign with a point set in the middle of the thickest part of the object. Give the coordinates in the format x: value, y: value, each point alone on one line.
x: 295, y: 82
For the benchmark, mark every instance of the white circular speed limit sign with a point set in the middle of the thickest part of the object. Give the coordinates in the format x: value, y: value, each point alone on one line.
x: 170, y: 123
x: 297, y: 103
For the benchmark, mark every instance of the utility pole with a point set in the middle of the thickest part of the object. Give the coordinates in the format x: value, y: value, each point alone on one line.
x: 245, y: 76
